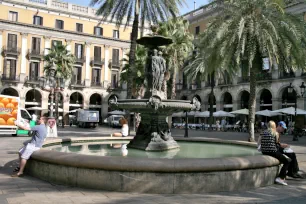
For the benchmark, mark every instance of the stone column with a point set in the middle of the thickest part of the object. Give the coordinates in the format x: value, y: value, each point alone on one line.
x: 236, y: 105
x: 106, y: 59
x: 87, y: 64
x: 276, y: 103
x: 1, y: 60
x: 24, y: 47
x: 68, y: 43
x: 257, y: 105
x: 218, y: 105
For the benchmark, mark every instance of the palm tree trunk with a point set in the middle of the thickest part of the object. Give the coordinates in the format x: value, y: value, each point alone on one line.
x: 56, y: 105
x: 132, y: 54
x: 211, y: 100
x: 257, y: 65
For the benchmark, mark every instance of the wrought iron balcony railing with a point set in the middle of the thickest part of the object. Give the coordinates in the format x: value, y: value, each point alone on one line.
x: 77, y: 83
x: 97, y: 61
x: 10, y: 77
x: 244, y: 79
x: 80, y: 59
x: 7, y: 50
x: 35, y: 54
x: 32, y: 79
x: 96, y: 83
x: 264, y: 76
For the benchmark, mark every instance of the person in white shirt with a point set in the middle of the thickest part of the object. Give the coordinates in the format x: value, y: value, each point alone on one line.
x: 124, y: 130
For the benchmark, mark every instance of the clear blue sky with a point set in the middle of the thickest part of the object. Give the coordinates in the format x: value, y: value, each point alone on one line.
x: 182, y: 10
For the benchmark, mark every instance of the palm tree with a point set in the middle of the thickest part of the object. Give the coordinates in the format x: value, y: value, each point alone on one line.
x: 145, y: 11
x: 197, y: 68
x: 246, y: 31
x: 178, y: 51
x: 64, y: 61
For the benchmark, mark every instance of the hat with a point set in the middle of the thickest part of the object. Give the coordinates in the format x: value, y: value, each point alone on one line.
x: 282, y: 124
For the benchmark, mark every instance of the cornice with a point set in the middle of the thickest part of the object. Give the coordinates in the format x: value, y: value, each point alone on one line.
x: 64, y: 34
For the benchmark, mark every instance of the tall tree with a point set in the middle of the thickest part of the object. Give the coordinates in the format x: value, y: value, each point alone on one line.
x: 140, y: 11
x: 177, y: 52
x: 246, y: 31
x: 197, y: 68
x: 64, y: 61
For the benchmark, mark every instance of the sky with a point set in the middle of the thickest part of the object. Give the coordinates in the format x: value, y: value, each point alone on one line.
x: 183, y: 10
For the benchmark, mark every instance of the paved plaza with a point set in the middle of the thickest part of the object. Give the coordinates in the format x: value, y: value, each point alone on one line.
x: 29, y: 190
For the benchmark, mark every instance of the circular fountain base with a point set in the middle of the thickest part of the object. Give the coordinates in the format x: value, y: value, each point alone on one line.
x: 162, y: 176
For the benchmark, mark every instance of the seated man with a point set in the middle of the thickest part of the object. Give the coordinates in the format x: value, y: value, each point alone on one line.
x: 36, y: 142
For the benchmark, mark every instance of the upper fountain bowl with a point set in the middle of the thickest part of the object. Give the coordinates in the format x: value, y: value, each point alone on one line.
x: 154, y: 41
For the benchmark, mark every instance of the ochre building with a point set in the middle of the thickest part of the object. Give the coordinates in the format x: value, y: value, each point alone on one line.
x: 28, y: 27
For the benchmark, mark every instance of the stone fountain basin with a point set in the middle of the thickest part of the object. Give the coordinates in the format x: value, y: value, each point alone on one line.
x: 161, y: 176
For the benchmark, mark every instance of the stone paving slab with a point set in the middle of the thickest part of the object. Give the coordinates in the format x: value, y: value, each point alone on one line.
x: 31, y: 190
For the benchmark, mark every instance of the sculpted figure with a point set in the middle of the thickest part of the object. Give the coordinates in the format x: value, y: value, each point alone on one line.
x: 155, y: 69
x: 162, y: 63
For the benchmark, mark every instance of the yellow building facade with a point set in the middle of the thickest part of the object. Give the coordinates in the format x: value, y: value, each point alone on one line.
x: 232, y: 92
x: 29, y: 27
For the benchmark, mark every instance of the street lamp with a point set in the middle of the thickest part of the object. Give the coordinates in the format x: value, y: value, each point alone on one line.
x: 52, y: 84
x: 290, y: 90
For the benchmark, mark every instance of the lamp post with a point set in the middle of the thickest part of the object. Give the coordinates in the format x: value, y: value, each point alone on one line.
x: 290, y: 90
x: 51, y: 84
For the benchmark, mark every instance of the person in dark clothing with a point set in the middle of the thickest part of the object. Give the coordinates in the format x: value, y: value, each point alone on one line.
x: 293, y: 167
x: 269, y: 146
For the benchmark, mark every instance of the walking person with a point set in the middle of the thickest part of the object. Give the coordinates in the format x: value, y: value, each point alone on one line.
x: 269, y: 146
x: 38, y: 137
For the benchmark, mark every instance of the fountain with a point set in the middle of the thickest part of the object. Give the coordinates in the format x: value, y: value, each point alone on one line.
x: 163, y: 167
x: 153, y: 133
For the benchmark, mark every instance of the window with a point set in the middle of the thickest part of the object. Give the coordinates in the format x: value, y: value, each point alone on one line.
x: 34, y: 71
x: 77, y: 75
x: 115, y: 59
x: 197, y: 30
x: 36, y: 45
x: 116, y: 34
x: 79, y: 27
x: 13, y: 16
x: 96, y: 73
x: 12, y: 41
x: 97, y: 53
x: 59, y: 24
x: 25, y: 115
x: 98, y: 31
x: 114, y: 82
x: 56, y: 42
x: 38, y: 20
x: 10, y: 68
x: 78, y: 51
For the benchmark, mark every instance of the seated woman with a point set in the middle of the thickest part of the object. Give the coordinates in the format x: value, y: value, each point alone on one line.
x: 124, y: 130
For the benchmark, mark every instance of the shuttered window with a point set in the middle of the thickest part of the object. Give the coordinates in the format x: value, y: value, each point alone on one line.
x: 36, y: 45
x: 13, y: 16
x: 79, y: 27
x: 97, y: 53
x: 98, y: 31
x: 38, y: 20
x: 78, y: 51
x: 34, y: 71
x: 10, y: 68
x: 59, y: 24
x: 12, y: 41
x: 115, y: 59
x: 96, y: 73
x: 116, y: 34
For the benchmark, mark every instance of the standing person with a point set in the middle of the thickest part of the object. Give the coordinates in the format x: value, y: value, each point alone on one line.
x: 223, y: 124
x: 269, y: 146
x: 36, y: 142
x: 124, y: 130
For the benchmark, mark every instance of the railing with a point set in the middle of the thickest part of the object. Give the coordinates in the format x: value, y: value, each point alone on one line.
x: 78, y: 8
x: 264, y: 76
x: 285, y: 75
x: 10, y: 77
x: 96, y: 83
x: 244, y: 79
x: 11, y: 50
x: 35, y: 54
x: 77, y: 83
x: 80, y: 59
x: 32, y: 79
x: 97, y: 61
x: 39, y: 1
x: 59, y: 4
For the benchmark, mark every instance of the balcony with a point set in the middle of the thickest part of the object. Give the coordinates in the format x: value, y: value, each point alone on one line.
x: 285, y: 75
x: 96, y: 84
x: 115, y: 64
x: 264, y: 76
x: 11, y: 51
x: 35, y: 54
x: 96, y: 62
x: 114, y: 86
x: 77, y: 83
x: 32, y: 80
x: 10, y: 78
x: 244, y: 79
x: 80, y: 59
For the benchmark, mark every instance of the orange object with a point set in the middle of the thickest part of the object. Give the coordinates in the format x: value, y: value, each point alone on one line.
x: 10, y: 121
x: 10, y: 105
x: 15, y: 102
x: 2, y: 121
x: 6, y: 116
x: 2, y: 105
x: 5, y: 101
x: 14, y: 113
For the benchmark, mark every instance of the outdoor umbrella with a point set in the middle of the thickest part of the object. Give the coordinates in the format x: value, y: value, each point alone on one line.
x: 178, y: 115
x: 290, y: 111
x: 75, y: 110
x: 191, y: 113
x: 241, y: 112
x: 267, y: 113
x: 222, y: 114
x: 204, y: 114
x: 116, y: 112
x: 36, y: 108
